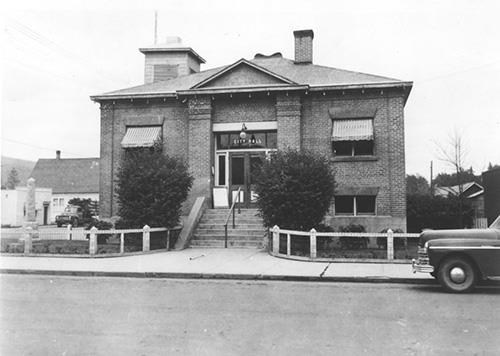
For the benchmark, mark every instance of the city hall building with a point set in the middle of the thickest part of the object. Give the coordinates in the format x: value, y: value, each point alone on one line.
x: 224, y: 121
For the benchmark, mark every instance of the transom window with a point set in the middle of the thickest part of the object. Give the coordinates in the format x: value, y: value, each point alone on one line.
x: 355, y: 205
x: 253, y: 139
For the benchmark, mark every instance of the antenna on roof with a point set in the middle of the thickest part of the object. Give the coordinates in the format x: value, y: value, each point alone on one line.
x: 156, y: 26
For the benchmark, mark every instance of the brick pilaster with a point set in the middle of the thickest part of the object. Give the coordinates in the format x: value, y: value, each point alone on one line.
x: 288, y: 116
x: 200, y: 146
x: 106, y: 161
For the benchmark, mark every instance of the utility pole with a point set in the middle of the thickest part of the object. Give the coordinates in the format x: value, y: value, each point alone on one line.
x: 156, y: 27
x: 431, y: 182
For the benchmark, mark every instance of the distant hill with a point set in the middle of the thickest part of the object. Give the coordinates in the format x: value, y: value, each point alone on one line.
x: 22, y: 166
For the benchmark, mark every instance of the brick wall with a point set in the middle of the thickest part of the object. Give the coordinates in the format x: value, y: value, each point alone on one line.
x: 288, y: 115
x: 244, y: 109
x: 303, y: 121
x: 386, y: 171
x: 200, y: 147
x: 170, y: 114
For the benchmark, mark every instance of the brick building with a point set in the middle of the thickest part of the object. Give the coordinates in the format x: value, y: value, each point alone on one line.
x: 223, y: 122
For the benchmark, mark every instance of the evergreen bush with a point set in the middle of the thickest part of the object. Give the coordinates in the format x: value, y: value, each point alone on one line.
x: 151, y: 188
x: 436, y: 212
x: 294, y: 189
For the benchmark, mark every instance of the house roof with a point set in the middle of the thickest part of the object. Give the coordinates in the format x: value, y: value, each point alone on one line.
x: 469, y: 190
x: 311, y: 75
x: 79, y: 175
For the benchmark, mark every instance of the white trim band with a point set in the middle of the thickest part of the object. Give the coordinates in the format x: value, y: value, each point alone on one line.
x: 251, y: 126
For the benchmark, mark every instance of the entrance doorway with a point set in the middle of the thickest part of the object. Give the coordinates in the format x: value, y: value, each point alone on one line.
x: 45, y: 212
x: 243, y: 168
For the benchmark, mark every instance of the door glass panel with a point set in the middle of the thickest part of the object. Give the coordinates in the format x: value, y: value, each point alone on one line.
x: 237, y: 170
x: 222, y: 170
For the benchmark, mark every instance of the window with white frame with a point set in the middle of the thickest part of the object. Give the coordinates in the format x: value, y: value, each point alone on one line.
x: 355, y: 205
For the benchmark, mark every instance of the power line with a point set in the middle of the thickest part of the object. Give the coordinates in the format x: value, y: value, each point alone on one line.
x: 57, y: 48
x: 41, y: 148
x: 425, y: 80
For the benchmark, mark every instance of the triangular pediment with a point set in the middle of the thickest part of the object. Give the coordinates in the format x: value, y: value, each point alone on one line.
x: 242, y: 74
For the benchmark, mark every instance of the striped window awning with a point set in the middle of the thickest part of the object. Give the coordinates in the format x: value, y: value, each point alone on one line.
x: 145, y: 136
x: 352, y: 130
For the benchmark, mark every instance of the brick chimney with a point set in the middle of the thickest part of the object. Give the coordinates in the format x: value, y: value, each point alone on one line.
x: 58, y: 154
x: 303, y: 46
x: 169, y: 60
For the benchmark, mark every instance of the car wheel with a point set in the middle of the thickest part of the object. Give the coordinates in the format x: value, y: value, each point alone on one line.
x: 59, y: 224
x: 457, y: 275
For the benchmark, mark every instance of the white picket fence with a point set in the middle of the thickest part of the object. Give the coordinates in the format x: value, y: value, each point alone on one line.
x: 28, y: 235
x: 312, y: 235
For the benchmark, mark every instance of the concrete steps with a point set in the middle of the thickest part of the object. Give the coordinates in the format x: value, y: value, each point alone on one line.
x: 249, y: 231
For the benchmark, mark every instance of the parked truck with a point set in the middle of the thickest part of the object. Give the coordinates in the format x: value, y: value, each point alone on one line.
x: 72, y: 214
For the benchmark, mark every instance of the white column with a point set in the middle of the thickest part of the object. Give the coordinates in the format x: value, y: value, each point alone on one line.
x: 312, y: 243
x: 93, y: 241
x: 390, y: 245
x: 145, y: 238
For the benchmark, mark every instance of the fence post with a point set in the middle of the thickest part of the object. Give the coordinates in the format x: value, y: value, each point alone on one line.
x: 390, y: 245
x: 122, y: 242
x: 145, y: 238
x: 93, y: 241
x: 28, y: 239
x: 276, y: 239
x: 69, y: 228
x: 312, y: 243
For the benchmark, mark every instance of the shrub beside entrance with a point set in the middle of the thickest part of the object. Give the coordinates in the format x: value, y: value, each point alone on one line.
x: 151, y: 188
x: 295, y: 189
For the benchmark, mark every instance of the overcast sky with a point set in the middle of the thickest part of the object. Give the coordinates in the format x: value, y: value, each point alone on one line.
x: 58, y: 53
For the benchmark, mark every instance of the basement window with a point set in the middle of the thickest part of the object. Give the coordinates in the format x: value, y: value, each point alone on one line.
x: 355, y: 205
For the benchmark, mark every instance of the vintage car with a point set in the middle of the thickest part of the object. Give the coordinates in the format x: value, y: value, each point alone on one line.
x: 460, y: 258
x: 72, y: 214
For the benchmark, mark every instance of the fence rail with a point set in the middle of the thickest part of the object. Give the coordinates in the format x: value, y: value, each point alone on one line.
x: 313, y: 235
x: 26, y: 237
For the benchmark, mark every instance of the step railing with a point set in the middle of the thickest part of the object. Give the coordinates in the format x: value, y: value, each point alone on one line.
x: 231, y: 211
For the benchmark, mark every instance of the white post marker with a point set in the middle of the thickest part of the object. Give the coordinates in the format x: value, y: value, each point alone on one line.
x: 145, y: 238
x: 122, y: 242
x: 93, y: 241
x: 68, y: 229
x: 312, y: 243
x: 28, y: 238
x: 276, y: 239
x: 390, y: 245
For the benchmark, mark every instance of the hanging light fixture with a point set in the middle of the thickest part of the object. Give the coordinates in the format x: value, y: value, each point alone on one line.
x: 243, y: 133
x: 253, y: 140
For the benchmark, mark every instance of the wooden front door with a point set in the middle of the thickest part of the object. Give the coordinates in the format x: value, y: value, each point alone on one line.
x: 243, y: 168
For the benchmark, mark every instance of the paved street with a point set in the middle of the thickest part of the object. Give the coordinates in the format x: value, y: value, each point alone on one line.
x: 43, y: 315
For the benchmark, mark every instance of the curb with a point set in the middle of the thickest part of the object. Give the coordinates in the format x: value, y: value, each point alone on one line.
x: 223, y: 276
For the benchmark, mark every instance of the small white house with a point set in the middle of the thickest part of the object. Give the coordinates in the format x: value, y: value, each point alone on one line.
x: 68, y: 178
x: 14, y: 206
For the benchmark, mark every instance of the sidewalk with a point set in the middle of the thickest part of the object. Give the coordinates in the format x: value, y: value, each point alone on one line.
x: 214, y: 263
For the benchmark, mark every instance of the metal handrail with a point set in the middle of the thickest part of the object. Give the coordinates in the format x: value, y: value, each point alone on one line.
x: 231, y: 211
